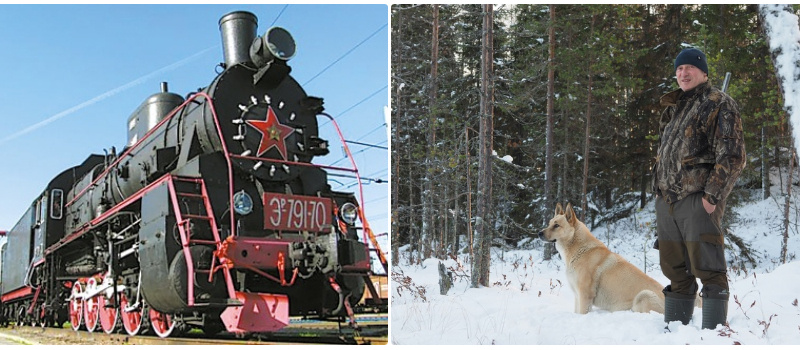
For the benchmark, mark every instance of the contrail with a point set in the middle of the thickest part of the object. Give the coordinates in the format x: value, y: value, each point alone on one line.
x: 102, y: 96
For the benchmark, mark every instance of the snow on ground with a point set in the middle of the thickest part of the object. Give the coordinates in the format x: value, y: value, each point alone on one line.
x: 530, y: 302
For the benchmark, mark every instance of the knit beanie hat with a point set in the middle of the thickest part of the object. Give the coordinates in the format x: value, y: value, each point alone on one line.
x: 694, y: 57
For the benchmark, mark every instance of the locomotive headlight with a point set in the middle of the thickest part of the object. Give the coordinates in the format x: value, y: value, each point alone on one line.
x: 276, y: 43
x: 280, y: 43
x: 348, y: 213
x: 242, y: 203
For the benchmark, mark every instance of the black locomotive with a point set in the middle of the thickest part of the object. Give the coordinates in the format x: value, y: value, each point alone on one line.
x: 212, y: 216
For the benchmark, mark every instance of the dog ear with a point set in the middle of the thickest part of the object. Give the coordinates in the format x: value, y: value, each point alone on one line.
x: 559, y: 209
x: 570, y: 214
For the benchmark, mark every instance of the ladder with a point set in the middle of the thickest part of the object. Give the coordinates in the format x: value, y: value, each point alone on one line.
x: 187, y: 193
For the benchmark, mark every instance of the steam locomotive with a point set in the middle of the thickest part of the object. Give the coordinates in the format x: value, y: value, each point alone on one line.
x: 212, y: 216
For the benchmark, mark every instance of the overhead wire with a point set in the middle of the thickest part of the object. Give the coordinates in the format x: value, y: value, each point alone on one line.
x: 356, y: 153
x: 369, y: 177
x: 362, y: 101
x: 348, y: 52
x: 345, y: 54
x: 279, y: 15
x: 383, y: 125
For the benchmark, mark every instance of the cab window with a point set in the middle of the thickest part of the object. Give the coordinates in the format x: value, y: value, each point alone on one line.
x: 38, y: 211
x: 56, y: 203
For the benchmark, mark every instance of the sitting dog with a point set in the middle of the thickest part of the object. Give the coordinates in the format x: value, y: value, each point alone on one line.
x: 597, y: 275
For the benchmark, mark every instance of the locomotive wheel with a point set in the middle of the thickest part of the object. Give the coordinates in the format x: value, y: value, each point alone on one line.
x: 162, y: 323
x: 21, y: 315
x: 131, y: 320
x: 43, y: 319
x: 91, y: 308
x: 76, y: 306
x: 109, y: 318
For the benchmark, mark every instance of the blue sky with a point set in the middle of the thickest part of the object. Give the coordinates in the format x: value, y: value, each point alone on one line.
x: 73, y: 74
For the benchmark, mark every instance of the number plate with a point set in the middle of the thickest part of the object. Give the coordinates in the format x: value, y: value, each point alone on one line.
x: 297, y: 213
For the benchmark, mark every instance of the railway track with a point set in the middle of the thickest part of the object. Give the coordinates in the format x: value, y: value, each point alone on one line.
x: 373, y: 331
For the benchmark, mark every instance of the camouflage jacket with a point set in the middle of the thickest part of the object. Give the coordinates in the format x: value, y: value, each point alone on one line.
x: 702, y: 145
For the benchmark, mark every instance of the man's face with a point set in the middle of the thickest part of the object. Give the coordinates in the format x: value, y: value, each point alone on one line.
x: 689, y: 76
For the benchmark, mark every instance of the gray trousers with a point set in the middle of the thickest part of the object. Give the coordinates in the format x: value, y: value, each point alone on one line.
x: 691, y: 243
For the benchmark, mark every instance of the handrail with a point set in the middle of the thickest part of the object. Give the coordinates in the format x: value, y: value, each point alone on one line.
x: 130, y: 149
x: 169, y: 116
x: 367, y: 229
x: 289, y: 162
x: 227, y: 159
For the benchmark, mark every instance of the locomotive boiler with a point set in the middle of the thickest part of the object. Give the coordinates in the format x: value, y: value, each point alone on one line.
x: 213, y: 214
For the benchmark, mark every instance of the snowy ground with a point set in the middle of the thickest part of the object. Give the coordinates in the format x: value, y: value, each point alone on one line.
x: 530, y: 302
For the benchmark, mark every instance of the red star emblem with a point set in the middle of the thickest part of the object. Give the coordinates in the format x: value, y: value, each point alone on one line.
x: 273, y: 133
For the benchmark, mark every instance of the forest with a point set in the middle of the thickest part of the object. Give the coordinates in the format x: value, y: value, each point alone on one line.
x: 556, y: 104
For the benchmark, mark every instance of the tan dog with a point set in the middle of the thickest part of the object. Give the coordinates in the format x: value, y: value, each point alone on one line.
x: 597, y: 275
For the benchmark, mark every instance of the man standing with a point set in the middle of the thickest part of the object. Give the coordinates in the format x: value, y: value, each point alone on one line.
x: 700, y: 156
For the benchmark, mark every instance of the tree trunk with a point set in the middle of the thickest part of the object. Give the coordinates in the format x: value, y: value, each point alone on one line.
x: 428, y: 225
x: 398, y: 65
x: 549, y: 248
x: 445, y: 279
x: 413, y: 236
x: 785, y: 244
x: 483, y: 227
x: 764, y: 165
x: 453, y: 241
x: 643, y: 185
x: 563, y: 182
x: 584, y: 197
x: 587, y: 137
x: 469, y: 199
x: 441, y: 252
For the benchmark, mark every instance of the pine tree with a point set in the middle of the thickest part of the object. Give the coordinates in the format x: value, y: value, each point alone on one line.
x: 483, y: 230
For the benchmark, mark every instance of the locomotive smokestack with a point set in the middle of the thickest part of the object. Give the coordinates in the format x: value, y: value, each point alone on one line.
x: 238, y: 32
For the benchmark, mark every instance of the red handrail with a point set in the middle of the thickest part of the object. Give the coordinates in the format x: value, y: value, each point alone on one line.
x: 130, y: 149
x: 153, y: 130
x: 367, y: 229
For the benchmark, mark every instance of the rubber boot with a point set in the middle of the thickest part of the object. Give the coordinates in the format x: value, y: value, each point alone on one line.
x: 715, y: 306
x: 677, y: 306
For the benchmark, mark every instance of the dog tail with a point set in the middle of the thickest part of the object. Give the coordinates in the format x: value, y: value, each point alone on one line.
x: 648, y: 300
